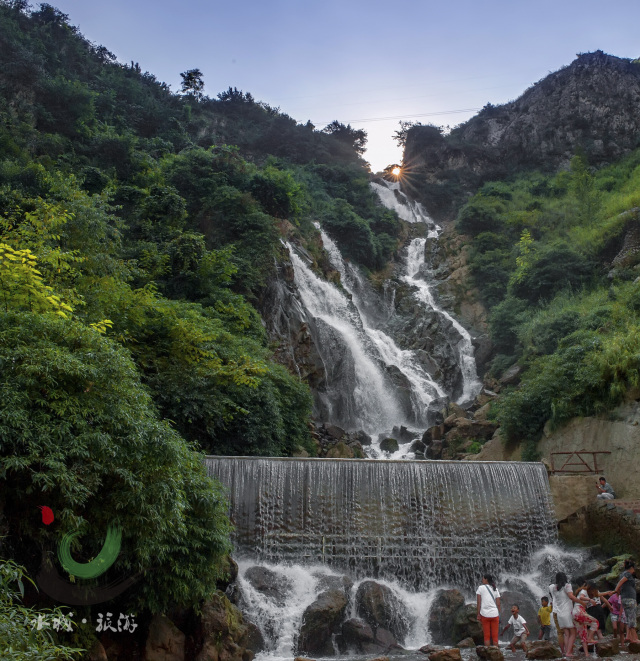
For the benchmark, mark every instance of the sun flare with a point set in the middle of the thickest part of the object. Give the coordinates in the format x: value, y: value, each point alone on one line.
x: 396, y: 171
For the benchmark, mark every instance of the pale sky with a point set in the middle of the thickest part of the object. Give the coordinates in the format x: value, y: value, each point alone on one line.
x: 358, y: 61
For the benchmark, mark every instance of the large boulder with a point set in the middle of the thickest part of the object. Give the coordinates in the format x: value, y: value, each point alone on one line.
x: 441, y: 615
x: 389, y: 445
x: 224, y: 635
x: 274, y: 586
x: 528, y: 610
x: 448, y: 654
x: 466, y: 625
x: 321, y: 620
x: 492, y: 653
x: 358, y: 636
x: 331, y: 582
x: 340, y: 451
x: 165, y: 642
x: 229, y: 573
x: 608, y: 647
x: 543, y: 649
x: 380, y: 608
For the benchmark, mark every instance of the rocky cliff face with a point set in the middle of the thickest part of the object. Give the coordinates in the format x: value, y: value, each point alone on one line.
x: 593, y: 104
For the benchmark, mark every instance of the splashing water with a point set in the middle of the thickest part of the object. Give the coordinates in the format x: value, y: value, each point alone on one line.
x: 415, y: 527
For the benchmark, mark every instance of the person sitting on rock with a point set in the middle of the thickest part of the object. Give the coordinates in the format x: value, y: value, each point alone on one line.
x: 544, y: 619
x: 520, y: 629
x: 606, y: 490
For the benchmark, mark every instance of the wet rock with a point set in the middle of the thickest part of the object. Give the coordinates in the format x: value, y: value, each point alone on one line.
x: 362, y: 437
x: 418, y: 446
x: 272, y: 585
x: 334, y: 431
x: 466, y: 625
x: 449, y: 654
x: 434, y: 451
x: 427, y: 649
x: 327, y: 582
x: 224, y: 634
x: 543, y: 649
x: 633, y: 648
x: 165, y: 642
x: 528, y: 609
x: 357, y: 634
x: 403, y: 435
x: 389, y: 445
x: 441, y: 615
x: 491, y: 653
x: 467, y: 642
x: 385, y: 639
x: 380, y: 608
x: 229, y: 575
x: 254, y: 640
x: 608, y: 647
x: 320, y: 621
x: 302, y: 658
x: 340, y: 451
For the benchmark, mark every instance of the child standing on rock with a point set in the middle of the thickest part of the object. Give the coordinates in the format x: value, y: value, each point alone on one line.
x: 520, y: 629
x: 544, y: 619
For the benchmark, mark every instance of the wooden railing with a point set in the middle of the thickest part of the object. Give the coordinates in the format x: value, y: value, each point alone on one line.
x: 581, y: 461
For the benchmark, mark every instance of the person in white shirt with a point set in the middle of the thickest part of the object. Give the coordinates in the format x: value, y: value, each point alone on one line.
x: 488, y: 609
x: 520, y: 629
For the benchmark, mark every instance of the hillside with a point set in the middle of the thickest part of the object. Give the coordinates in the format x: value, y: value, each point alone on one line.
x: 139, y: 231
x: 592, y: 105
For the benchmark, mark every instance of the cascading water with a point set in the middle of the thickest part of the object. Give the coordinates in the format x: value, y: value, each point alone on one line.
x: 302, y: 527
x: 393, y: 198
x: 358, y: 393
x: 415, y: 527
x: 403, y: 520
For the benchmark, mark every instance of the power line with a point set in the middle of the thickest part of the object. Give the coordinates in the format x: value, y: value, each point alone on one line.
x: 401, y: 117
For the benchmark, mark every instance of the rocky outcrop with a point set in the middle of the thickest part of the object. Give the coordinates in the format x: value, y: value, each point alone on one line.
x: 224, y: 635
x: 321, y: 620
x: 489, y: 653
x: 380, y: 609
x: 441, y: 615
x: 568, y: 109
x: 466, y: 625
x: 542, y: 649
x: 273, y: 585
x: 607, y: 648
x: 165, y: 642
x: 449, y: 654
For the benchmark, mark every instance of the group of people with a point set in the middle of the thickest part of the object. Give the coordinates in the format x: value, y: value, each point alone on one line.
x: 583, y: 615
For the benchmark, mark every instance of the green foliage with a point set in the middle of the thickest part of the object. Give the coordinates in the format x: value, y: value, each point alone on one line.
x: 541, y: 275
x: 481, y: 214
x: 79, y: 431
x: 20, y: 638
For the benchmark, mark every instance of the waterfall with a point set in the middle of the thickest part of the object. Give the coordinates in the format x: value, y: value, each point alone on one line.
x: 400, y: 520
x: 358, y: 393
x: 415, y: 527
x: 393, y: 198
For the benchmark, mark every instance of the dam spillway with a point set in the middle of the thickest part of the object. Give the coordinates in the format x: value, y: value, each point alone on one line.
x: 421, y: 523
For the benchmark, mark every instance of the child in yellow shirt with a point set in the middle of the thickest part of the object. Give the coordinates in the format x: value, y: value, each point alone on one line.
x: 544, y: 619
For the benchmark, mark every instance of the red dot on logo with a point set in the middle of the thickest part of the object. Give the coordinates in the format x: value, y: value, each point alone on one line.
x: 47, y: 514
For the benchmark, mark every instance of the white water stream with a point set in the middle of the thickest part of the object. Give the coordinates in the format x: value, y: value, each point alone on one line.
x: 393, y: 198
